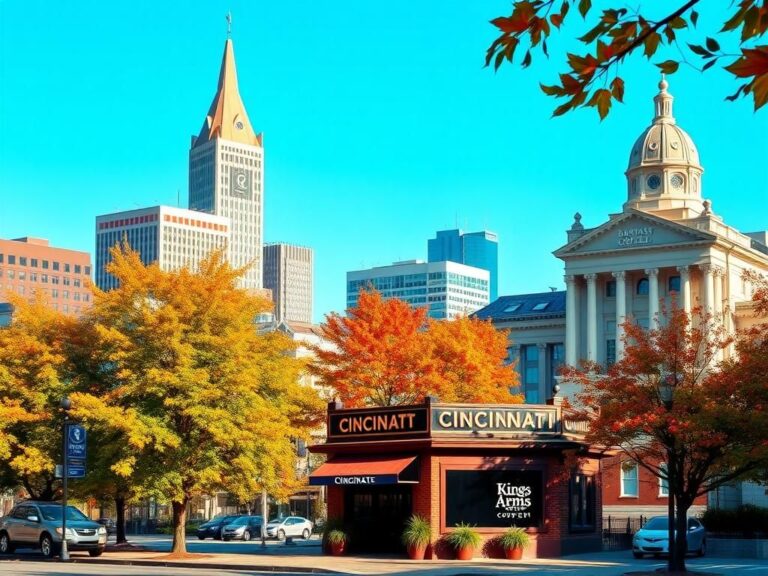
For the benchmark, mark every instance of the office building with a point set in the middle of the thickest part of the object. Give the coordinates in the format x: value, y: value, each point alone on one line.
x: 226, y: 172
x: 478, y: 249
x: 447, y: 289
x: 288, y: 275
x: 172, y: 237
x: 29, y: 265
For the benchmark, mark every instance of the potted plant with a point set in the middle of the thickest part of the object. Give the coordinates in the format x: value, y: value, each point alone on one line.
x: 337, y: 542
x: 416, y: 536
x: 514, y: 541
x: 464, y: 539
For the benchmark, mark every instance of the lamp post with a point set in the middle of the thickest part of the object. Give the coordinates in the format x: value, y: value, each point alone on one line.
x: 66, y: 405
x: 666, y: 395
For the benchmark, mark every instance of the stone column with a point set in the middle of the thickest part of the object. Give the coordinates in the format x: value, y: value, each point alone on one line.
x: 717, y: 280
x: 653, y: 296
x: 571, y: 320
x: 542, y: 373
x: 621, y: 311
x: 591, y: 317
x: 685, y: 288
x: 707, y: 287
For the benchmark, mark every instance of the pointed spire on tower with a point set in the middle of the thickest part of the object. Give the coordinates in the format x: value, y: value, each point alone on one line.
x: 227, y: 118
x: 663, y: 103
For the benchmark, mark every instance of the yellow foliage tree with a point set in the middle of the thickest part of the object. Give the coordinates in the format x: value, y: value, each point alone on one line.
x: 203, y: 401
x: 34, y: 376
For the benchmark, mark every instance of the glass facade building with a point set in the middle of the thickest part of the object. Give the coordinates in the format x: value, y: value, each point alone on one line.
x: 477, y: 249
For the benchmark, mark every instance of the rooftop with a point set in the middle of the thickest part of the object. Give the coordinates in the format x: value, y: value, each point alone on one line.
x: 524, y: 306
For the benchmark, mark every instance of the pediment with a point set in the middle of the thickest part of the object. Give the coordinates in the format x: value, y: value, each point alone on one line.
x: 634, y: 230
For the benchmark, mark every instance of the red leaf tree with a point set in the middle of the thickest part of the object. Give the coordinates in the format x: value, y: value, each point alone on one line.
x: 670, y: 406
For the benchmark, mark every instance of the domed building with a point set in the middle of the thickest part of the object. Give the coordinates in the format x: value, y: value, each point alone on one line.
x: 667, y: 242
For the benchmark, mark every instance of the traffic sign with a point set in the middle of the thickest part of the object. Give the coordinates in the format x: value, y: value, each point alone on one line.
x: 76, y: 442
x: 75, y: 471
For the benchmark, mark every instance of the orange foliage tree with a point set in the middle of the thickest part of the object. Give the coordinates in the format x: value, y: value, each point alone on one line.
x: 669, y: 406
x: 386, y: 353
x: 615, y: 33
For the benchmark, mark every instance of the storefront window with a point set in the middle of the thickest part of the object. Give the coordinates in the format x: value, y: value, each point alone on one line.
x: 582, y: 503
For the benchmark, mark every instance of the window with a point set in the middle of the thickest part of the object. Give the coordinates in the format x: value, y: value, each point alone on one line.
x: 11, y: 259
x: 67, y: 281
x: 642, y: 287
x: 540, y: 306
x: 629, y: 480
x: 66, y: 267
x: 512, y: 307
x: 529, y: 371
x: 87, y: 270
x: 44, y: 278
x: 663, y: 482
x: 66, y: 294
x: 34, y: 262
x: 22, y: 275
x: 33, y: 276
x: 582, y: 503
x: 78, y: 268
x: 1, y: 257
x: 673, y: 284
x: 610, y: 289
x: 55, y: 293
x: 610, y: 352
x: 45, y: 264
x: 556, y: 359
x: 22, y: 260
x: 55, y: 265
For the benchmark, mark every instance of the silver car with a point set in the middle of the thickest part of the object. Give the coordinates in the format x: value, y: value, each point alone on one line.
x: 291, y: 526
x: 39, y: 525
x: 242, y: 528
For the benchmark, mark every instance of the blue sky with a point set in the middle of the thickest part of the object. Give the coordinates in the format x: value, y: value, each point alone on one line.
x: 381, y: 126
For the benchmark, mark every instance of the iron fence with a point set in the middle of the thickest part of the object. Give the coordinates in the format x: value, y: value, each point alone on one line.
x: 617, y: 532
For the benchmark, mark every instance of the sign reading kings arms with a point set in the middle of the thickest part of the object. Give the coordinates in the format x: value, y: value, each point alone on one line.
x: 432, y: 419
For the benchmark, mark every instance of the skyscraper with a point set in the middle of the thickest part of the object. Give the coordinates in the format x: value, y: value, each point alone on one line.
x: 226, y: 172
x: 288, y: 274
x: 478, y: 249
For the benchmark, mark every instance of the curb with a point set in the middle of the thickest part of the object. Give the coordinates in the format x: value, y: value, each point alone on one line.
x: 202, y: 565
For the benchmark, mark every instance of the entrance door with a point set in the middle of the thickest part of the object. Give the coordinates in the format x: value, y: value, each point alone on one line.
x: 376, y: 516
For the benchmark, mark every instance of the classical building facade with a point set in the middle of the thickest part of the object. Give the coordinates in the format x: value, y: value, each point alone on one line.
x: 30, y: 265
x: 226, y: 172
x: 447, y: 289
x: 666, y: 243
x: 172, y: 237
x: 288, y: 275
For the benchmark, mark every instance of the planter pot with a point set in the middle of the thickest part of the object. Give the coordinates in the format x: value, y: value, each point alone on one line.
x: 513, y: 553
x: 465, y: 553
x: 337, y: 549
x: 417, y: 552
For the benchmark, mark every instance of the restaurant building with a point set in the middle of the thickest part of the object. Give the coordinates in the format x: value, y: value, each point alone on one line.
x: 490, y: 466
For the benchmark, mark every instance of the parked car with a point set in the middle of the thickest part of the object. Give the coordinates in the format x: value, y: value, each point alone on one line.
x: 653, y: 537
x: 212, y: 528
x: 290, y: 526
x: 109, y: 524
x: 242, y: 528
x: 39, y: 525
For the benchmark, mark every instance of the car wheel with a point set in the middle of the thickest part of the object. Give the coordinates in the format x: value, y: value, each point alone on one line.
x: 5, y: 544
x: 703, y: 549
x: 306, y: 534
x: 638, y: 554
x: 246, y: 536
x: 47, y: 547
x: 201, y: 537
x: 96, y: 553
x: 281, y: 535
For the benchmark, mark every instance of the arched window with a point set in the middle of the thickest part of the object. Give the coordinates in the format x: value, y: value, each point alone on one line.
x: 642, y: 287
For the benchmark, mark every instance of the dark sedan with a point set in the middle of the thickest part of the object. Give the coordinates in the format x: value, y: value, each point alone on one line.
x: 212, y: 528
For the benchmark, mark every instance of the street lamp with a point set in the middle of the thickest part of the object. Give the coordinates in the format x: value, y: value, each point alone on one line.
x: 66, y: 406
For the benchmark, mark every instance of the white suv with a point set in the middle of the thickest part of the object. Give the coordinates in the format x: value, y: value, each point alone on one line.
x: 39, y: 525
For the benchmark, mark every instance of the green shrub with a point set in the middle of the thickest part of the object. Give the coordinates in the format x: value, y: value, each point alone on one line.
x: 746, y: 520
x: 336, y: 537
x: 514, y: 538
x: 417, y: 531
x: 464, y: 536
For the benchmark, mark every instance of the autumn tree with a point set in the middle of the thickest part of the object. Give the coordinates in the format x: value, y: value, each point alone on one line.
x: 672, y: 408
x: 387, y: 353
x: 202, y: 401
x: 667, y: 34
x: 34, y: 377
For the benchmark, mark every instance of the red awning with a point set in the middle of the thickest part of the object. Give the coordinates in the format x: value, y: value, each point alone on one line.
x: 366, y: 471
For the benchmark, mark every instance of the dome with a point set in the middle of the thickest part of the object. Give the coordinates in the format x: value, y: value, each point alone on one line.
x: 664, y: 172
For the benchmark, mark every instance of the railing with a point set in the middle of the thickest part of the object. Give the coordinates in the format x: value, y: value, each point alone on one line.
x: 617, y: 532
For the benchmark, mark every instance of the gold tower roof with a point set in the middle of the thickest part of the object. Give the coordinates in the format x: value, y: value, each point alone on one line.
x: 227, y: 118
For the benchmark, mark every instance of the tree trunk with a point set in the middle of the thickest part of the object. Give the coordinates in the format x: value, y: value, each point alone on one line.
x: 120, y: 520
x: 179, y: 526
x: 681, y: 541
